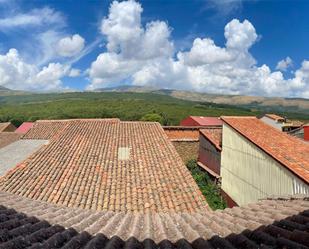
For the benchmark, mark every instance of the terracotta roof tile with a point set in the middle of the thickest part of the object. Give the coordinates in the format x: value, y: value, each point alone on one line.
x: 286, y: 149
x: 214, y: 135
x: 182, y: 133
x: 80, y: 168
x: 272, y: 223
x: 47, y: 129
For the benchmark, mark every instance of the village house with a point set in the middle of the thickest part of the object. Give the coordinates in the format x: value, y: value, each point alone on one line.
x: 258, y: 161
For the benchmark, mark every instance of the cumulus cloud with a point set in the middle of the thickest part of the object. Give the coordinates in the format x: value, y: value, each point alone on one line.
x: 15, y: 73
x: 129, y: 45
x: 145, y: 55
x: 284, y: 64
x: 70, y: 46
x: 204, y: 51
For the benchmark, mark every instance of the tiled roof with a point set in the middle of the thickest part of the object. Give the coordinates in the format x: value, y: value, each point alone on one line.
x: 273, y: 223
x: 274, y: 117
x: 7, y: 138
x: 182, y: 133
x: 214, y: 135
x: 212, y: 121
x: 80, y: 167
x: 4, y: 126
x: 47, y: 129
x: 288, y: 150
x: 24, y: 127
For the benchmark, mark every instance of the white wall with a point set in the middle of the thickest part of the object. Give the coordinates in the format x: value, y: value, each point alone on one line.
x: 249, y: 174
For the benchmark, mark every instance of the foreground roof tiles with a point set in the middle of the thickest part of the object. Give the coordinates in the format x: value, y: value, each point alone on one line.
x: 182, y: 133
x: 288, y: 150
x: 214, y: 135
x: 106, y: 165
x: 271, y: 223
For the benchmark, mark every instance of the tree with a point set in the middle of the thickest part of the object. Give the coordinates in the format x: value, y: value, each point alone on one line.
x: 152, y: 117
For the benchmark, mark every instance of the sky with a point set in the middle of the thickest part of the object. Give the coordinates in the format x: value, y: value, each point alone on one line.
x: 247, y: 47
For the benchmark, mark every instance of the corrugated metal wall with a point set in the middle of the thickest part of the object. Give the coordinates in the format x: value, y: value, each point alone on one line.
x: 249, y: 174
x: 208, y: 155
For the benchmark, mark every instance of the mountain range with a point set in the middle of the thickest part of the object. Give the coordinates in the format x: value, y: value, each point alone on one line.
x: 278, y: 104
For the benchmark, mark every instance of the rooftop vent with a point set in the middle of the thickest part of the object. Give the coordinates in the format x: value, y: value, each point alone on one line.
x: 123, y: 153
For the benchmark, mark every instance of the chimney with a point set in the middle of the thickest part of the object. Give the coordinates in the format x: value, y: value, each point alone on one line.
x: 306, y: 132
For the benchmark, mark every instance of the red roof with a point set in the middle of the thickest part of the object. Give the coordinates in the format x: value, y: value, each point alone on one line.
x: 204, y: 121
x: 25, y: 127
x: 291, y: 152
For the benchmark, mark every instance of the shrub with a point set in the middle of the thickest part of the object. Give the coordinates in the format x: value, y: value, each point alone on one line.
x: 208, y: 188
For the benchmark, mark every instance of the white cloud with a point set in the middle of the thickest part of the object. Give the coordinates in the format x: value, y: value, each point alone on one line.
x: 146, y: 56
x: 36, y: 17
x: 74, y: 72
x: 70, y: 46
x: 284, y: 64
x: 15, y: 73
x: 129, y: 45
x: 240, y: 36
x: 204, y: 51
x: 223, y: 7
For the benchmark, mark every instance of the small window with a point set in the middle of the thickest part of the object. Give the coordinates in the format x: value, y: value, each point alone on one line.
x: 123, y: 153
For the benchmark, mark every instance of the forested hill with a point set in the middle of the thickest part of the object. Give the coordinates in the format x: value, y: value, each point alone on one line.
x: 124, y: 105
x: 264, y: 104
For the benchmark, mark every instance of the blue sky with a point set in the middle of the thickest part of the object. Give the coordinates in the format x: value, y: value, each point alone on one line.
x: 251, y: 47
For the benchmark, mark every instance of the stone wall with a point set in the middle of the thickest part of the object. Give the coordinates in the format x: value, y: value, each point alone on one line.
x: 187, y: 149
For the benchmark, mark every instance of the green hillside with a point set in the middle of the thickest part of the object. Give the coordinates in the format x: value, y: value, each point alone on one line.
x: 125, y: 105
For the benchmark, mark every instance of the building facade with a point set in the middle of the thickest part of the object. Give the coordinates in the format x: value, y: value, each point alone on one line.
x: 249, y: 173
